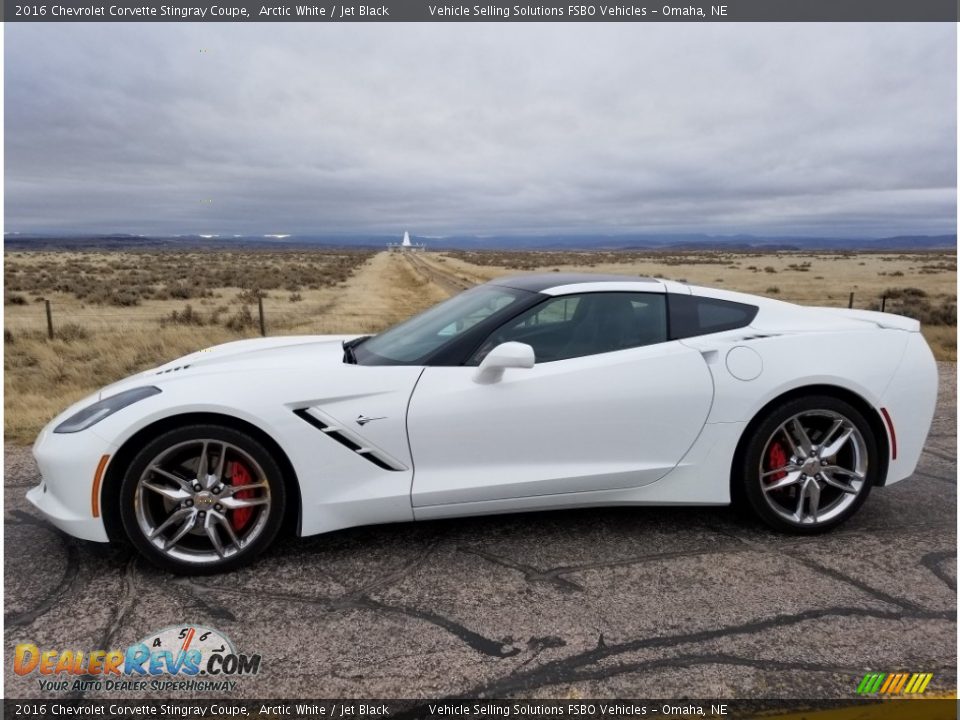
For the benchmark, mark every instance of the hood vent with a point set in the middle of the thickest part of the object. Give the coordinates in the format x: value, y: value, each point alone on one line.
x: 173, y: 369
x: 350, y: 441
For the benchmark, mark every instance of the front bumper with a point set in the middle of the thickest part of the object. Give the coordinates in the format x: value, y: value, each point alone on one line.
x: 68, y: 463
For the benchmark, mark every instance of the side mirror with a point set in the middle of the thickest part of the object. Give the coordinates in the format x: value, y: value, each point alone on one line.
x: 503, y: 356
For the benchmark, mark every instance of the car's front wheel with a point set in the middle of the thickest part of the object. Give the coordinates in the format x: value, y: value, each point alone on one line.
x: 202, y: 499
x: 809, y: 465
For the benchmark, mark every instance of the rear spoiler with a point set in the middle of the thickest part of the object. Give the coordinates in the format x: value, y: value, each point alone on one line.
x: 881, y: 319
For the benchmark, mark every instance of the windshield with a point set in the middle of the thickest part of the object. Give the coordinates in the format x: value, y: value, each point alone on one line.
x: 414, y: 340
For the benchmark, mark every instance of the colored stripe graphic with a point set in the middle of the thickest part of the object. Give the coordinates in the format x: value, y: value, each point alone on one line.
x: 898, y: 684
x: 871, y: 683
x: 894, y: 683
x: 891, y: 679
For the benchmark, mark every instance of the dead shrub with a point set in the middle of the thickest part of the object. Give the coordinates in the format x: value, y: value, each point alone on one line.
x: 915, y: 303
x: 187, y: 316
x: 71, y: 332
x: 240, y: 320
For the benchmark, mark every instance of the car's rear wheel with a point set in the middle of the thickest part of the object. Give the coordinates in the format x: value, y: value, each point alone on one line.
x: 810, y: 464
x: 202, y: 499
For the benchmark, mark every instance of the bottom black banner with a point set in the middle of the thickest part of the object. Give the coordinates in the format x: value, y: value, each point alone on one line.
x: 914, y: 709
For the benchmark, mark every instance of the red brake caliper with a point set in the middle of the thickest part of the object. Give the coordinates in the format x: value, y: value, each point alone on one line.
x: 239, y: 475
x: 776, y: 458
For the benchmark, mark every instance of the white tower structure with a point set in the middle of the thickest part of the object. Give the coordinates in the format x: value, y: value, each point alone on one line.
x: 406, y: 245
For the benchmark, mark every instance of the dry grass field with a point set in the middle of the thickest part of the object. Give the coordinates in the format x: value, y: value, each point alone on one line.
x: 118, y: 313
x: 181, y: 302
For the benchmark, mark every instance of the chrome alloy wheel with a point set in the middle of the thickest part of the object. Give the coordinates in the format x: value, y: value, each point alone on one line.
x: 202, y: 501
x: 813, y: 467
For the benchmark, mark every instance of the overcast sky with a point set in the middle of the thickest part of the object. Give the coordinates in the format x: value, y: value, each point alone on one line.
x: 841, y: 130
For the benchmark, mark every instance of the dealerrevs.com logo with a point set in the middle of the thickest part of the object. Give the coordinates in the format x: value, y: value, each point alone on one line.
x: 178, y: 658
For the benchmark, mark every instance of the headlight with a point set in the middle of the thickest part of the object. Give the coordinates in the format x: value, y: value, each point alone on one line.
x: 99, y: 410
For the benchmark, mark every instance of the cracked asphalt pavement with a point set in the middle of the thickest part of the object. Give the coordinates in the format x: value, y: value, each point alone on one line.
x: 623, y: 602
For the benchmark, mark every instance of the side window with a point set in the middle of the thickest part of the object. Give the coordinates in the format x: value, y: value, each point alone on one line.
x: 691, y: 315
x: 576, y: 325
x: 558, y: 310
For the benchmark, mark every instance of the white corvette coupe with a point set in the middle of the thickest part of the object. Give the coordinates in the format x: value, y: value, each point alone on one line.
x: 527, y: 393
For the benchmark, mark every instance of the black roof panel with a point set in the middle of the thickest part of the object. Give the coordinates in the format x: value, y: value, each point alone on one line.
x: 545, y: 281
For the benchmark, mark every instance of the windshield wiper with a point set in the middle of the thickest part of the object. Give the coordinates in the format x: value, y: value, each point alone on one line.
x: 349, y: 356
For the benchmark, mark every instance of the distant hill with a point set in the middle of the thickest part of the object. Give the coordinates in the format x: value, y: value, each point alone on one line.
x: 496, y: 242
x: 695, y: 242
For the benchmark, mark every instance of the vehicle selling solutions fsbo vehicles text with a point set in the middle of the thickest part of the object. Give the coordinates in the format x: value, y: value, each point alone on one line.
x: 582, y: 10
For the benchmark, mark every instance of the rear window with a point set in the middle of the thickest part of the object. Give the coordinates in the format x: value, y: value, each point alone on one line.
x: 691, y: 316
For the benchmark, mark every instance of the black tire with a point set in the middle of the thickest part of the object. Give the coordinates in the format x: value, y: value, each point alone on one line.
x: 749, y: 486
x: 268, y: 521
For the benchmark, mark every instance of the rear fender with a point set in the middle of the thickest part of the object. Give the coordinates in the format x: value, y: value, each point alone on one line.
x: 910, y: 401
x: 863, y: 362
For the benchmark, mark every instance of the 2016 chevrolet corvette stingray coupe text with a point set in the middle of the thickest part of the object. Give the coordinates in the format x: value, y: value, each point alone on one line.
x: 527, y: 393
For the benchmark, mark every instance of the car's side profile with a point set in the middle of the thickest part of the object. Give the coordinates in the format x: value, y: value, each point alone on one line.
x: 527, y: 393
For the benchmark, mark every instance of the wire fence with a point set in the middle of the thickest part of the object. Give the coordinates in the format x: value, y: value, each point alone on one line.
x: 47, y: 321
x: 264, y: 318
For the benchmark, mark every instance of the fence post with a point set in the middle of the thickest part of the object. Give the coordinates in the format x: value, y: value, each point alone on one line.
x: 49, y: 320
x: 850, y: 305
x: 263, y: 326
x: 883, y: 303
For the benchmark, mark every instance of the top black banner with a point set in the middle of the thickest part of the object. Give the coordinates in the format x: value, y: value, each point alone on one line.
x: 482, y: 11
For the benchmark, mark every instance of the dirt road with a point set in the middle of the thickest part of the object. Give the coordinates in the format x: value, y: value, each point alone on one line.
x: 433, y: 271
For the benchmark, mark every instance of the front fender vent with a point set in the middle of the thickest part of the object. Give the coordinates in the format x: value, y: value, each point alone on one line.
x: 350, y: 441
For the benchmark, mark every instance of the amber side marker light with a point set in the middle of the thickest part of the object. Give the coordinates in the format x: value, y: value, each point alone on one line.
x: 97, y: 477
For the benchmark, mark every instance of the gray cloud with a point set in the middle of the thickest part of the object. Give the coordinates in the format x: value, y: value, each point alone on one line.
x: 846, y: 129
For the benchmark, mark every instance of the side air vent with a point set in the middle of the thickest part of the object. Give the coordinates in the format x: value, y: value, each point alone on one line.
x: 350, y: 441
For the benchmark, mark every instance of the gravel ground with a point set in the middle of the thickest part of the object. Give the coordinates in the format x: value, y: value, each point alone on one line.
x: 650, y: 602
